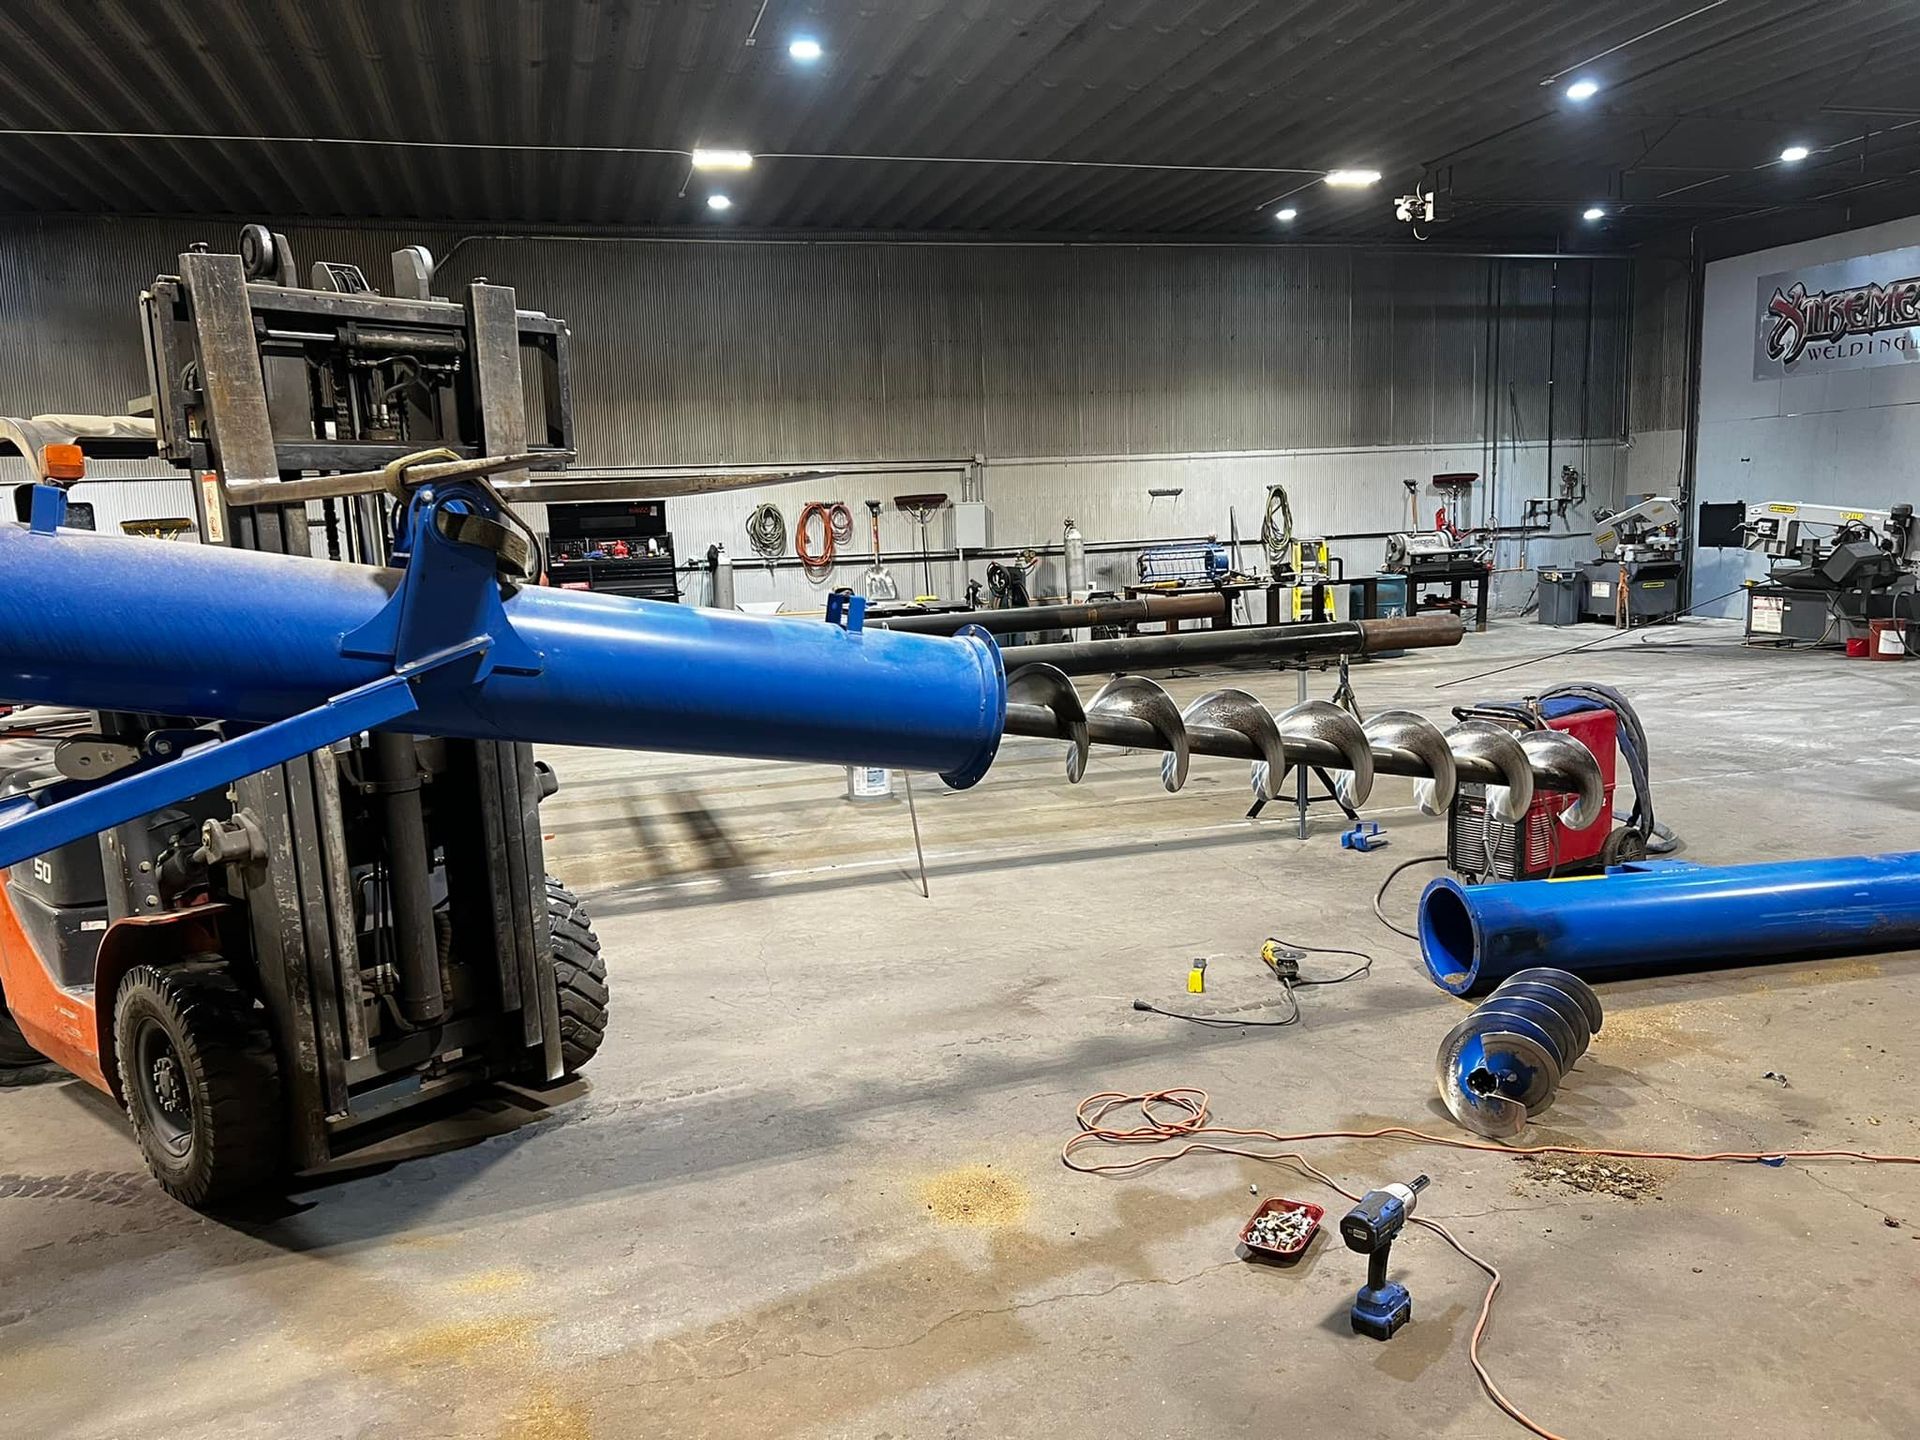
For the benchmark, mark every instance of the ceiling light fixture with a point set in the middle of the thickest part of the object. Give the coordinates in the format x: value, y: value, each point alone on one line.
x: 719, y: 202
x: 1593, y: 212
x: 1583, y: 90
x: 1353, y: 179
x: 1794, y: 154
x: 1286, y: 214
x: 722, y: 159
x: 805, y: 49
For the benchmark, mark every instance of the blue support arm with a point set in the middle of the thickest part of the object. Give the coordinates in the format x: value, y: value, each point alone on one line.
x: 43, y: 820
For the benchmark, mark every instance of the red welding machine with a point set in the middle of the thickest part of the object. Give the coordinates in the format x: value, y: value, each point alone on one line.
x: 1538, y: 845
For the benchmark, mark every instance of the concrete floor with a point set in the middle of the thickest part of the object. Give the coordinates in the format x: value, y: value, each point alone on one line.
x: 813, y: 1189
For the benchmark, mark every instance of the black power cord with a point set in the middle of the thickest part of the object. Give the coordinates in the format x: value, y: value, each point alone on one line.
x: 1227, y: 1022
x: 1381, y: 894
x: 1282, y: 957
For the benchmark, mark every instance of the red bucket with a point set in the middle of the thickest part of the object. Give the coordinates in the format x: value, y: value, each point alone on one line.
x: 1887, y: 640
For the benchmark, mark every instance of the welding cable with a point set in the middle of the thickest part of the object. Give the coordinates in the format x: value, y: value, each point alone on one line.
x: 1009, y: 587
x: 767, y: 531
x: 1632, y: 740
x: 1190, y: 1123
x: 1912, y: 627
x: 1381, y: 894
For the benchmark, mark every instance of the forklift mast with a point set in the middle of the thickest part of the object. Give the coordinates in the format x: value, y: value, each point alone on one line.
x: 395, y: 897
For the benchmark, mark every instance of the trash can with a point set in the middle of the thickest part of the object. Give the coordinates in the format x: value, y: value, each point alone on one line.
x: 1559, y: 597
x: 1390, y: 594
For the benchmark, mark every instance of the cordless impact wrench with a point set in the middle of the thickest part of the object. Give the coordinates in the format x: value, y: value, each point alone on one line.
x: 1383, y: 1305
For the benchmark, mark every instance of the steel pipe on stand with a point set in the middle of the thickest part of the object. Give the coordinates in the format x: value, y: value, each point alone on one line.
x: 1202, y: 647
x: 1147, y: 609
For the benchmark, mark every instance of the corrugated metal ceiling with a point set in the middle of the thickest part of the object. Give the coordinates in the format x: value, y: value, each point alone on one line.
x: 1686, y: 128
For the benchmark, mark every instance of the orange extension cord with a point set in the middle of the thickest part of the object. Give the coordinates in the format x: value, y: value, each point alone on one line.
x: 836, y: 528
x: 1190, y: 1121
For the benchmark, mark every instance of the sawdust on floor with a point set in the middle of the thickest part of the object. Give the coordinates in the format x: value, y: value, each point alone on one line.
x: 975, y: 1195
x: 1592, y: 1175
x: 545, y: 1416
x: 492, y: 1282
x: 1637, y: 1027
x: 463, y: 1341
x: 1823, y: 973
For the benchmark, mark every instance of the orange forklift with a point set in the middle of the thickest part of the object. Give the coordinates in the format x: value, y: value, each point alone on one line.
x: 275, y: 972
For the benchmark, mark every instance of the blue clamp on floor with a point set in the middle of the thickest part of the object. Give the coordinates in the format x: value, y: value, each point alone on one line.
x: 1364, y: 836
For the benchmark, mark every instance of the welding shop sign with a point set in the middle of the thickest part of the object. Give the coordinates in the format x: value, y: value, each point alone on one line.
x: 1845, y: 316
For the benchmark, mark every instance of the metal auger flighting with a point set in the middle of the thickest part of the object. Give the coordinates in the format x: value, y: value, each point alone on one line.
x: 1137, y: 713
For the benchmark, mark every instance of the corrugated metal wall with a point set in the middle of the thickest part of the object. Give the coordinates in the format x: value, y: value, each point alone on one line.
x: 695, y: 353
x: 742, y: 353
x: 1661, y: 340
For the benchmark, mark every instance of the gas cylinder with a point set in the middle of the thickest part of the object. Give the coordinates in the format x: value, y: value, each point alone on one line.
x: 1076, y: 547
x: 720, y: 564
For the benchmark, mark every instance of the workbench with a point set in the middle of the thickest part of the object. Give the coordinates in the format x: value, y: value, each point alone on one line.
x: 1451, y: 576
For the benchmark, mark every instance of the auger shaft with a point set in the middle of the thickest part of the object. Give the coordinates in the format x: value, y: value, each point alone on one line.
x: 1127, y: 733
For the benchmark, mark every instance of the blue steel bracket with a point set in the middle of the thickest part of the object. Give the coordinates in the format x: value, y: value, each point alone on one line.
x: 49, y: 511
x: 58, y: 814
x: 448, y: 601
x: 847, y: 610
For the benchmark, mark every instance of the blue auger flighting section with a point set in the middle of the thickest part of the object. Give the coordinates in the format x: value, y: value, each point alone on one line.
x: 1655, y: 917
x: 1505, y: 1061
x: 115, y: 623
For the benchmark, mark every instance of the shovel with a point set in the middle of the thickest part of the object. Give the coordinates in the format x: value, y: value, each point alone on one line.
x: 879, y: 584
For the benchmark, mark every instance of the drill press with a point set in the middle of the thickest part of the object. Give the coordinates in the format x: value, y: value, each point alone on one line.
x: 1383, y: 1305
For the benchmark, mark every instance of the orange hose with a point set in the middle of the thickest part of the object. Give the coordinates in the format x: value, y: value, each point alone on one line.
x: 1191, y: 1119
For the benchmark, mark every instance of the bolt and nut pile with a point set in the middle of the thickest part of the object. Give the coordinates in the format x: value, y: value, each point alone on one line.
x: 1281, y: 1229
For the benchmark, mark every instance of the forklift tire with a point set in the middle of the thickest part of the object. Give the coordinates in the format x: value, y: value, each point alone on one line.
x: 200, y: 1081
x: 15, y: 1052
x: 1623, y: 845
x: 580, y: 976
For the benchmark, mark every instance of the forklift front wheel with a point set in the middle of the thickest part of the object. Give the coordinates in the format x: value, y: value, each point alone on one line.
x: 15, y: 1052
x: 200, y: 1080
x: 580, y: 976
